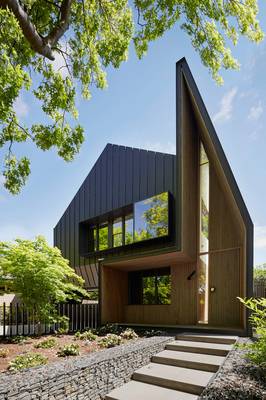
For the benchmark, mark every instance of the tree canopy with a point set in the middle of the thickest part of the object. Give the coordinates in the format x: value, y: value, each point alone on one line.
x: 40, y: 275
x: 260, y: 272
x: 91, y: 35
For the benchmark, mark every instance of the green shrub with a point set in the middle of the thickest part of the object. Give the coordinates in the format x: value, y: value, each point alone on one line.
x: 71, y: 349
x: 46, y: 344
x: 129, y: 334
x: 64, y: 326
x: 19, y: 339
x: 27, y: 361
x: 109, y: 328
x: 86, y: 335
x: 110, y: 340
x: 257, y: 350
x: 3, y: 352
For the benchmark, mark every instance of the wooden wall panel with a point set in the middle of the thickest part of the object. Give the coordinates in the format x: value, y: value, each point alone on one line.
x: 114, y: 288
x: 181, y: 311
x: 184, y: 294
x: 224, y: 228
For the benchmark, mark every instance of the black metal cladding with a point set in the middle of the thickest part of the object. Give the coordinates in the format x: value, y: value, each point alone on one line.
x: 121, y: 175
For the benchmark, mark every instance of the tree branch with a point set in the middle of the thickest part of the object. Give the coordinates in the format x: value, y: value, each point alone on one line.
x: 42, y: 45
x: 59, y: 30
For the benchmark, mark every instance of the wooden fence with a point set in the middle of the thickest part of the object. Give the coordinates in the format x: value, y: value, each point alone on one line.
x: 15, y: 319
x: 259, y: 289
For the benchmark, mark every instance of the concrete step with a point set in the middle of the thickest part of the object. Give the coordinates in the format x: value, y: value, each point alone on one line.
x: 176, y: 378
x: 199, y: 347
x: 203, y: 362
x: 142, y: 391
x: 221, y: 339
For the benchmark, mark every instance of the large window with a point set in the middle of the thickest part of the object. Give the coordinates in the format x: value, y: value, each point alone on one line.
x: 203, y: 263
x: 147, y: 219
x: 150, y: 287
x: 151, y: 217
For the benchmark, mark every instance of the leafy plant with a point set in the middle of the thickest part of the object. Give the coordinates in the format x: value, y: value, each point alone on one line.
x: 109, y: 328
x: 71, y: 349
x: 27, y: 361
x: 46, y: 344
x: 257, y: 350
x: 64, y: 326
x: 85, y: 38
x: 18, y: 339
x: 86, y: 335
x: 128, y: 334
x: 41, y: 276
x: 3, y: 352
x: 93, y: 295
x: 110, y: 340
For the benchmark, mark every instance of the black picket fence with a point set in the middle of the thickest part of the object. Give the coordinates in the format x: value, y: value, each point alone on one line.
x: 16, y: 319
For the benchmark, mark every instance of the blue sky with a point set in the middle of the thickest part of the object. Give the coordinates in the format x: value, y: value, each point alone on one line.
x: 138, y: 109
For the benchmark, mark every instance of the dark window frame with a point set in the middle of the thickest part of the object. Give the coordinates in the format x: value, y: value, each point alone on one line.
x: 135, y: 285
x: 88, y: 248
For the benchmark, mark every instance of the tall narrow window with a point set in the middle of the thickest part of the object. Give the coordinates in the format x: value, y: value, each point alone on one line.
x: 203, y: 264
x: 204, y: 200
x: 103, y: 237
x: 129, y: 229
x: 203, y: 289
x: 117, y: 233
x: 92, y: 239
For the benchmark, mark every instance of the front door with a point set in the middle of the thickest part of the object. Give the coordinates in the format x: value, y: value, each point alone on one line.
x: 224, y: 287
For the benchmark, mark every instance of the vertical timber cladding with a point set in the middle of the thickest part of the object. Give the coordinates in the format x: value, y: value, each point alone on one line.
x: 230, y: 223
x: 120, y: 176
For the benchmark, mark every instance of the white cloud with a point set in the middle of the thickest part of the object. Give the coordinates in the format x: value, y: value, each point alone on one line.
x: 167, y: 147
x: 260, y: 237
x: 255, y: 112
x: 226, y: 106
x: 21, y: 107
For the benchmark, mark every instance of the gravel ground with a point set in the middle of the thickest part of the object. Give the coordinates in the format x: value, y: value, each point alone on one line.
x: 237, y: 379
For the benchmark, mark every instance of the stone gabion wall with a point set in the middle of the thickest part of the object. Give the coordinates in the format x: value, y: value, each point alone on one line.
x: 88, y: 377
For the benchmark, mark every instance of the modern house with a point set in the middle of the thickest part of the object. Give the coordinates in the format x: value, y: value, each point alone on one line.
x: 166, y: 238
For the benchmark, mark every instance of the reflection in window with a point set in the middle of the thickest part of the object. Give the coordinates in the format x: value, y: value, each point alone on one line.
x: 204, y: 201
x: 129, y: 229
x: 103, y: 237
x: 93, y: 238
x: 203, y: 289
x: 151, y: 217
x: 117, y: 233
x: 150, y: 287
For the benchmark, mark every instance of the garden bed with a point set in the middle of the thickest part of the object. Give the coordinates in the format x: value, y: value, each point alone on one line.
x: 90, y: 376
x: 238, y: 379
x: 51, y: 347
